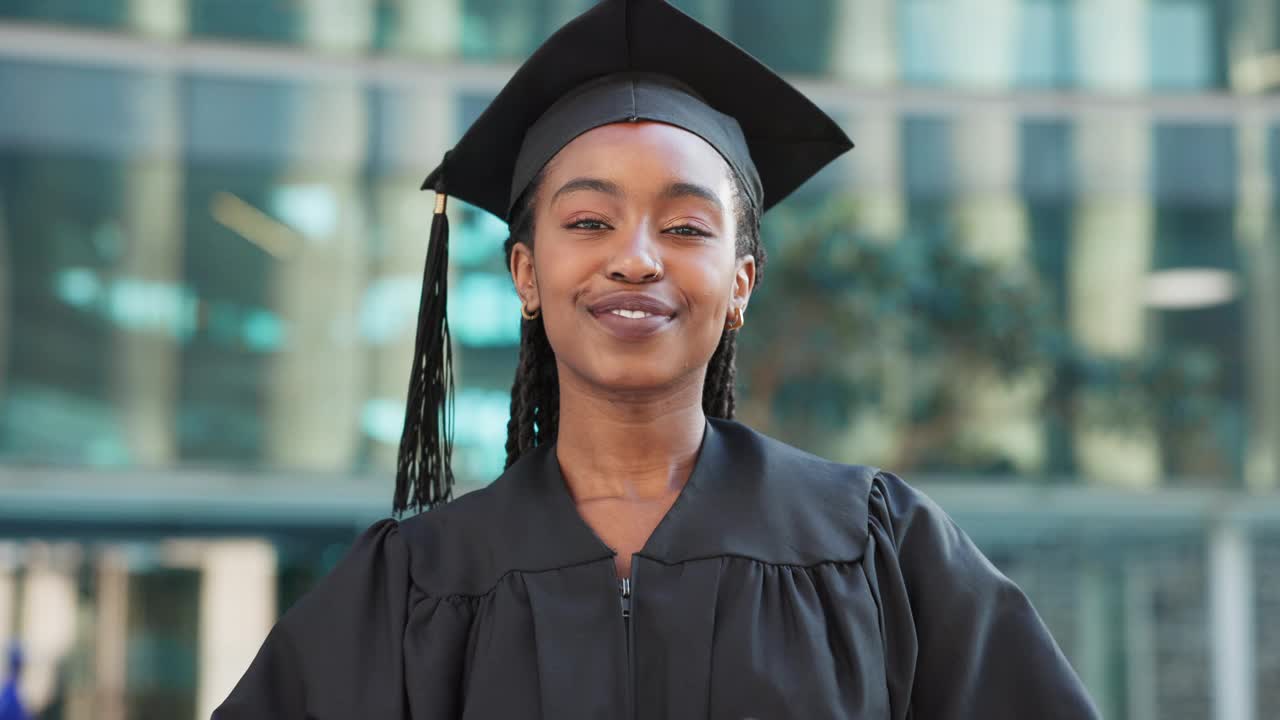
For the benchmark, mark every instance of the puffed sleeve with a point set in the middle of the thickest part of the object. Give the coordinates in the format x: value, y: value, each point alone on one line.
x: 961, y: 640
x: 338, y: 652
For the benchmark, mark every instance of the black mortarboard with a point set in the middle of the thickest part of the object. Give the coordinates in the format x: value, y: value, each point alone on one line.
x: 621, y: 60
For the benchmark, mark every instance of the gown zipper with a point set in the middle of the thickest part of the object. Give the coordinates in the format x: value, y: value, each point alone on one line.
x: 625, y: 590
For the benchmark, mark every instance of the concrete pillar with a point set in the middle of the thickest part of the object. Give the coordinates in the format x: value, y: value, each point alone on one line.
x: 1231, y: 621
x: 47, y: 619
x: 1255, y: 231
x: 8, y: 593
x: 6, y: 281
x: 337, y: 25
x: 161, y: 19
x: 1000, y: 414
x: 429, y: 28
x: 145, y: 363
x: 984, y: 35
x: 1109, y: 258
x: 317, y: 378
x: 237, y: 610
x: 865, y: 51
x: 1139, y: 639
x: 1112, y: 235
x: 1094, y: 637
x: 111, y: 635
x: 1254, y: 50
x: 423, y: 129
x: 1111, y: 45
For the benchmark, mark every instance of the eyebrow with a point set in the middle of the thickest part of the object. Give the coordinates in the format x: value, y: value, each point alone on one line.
x: 678, y: 190
x: 588, y: 183
x: 673, y: 191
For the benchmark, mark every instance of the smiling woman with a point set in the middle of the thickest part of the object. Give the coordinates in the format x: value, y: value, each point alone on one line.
x: 643, y: 555
x: 646, y: 253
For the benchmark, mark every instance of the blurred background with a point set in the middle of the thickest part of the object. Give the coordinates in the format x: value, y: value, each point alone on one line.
x: 1045, y: 287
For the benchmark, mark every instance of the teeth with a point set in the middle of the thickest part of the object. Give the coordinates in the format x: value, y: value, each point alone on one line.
x: 632, y: 314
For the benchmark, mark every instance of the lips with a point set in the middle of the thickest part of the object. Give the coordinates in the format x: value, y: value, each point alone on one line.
x: 632, y: 316
x: 633, y: 306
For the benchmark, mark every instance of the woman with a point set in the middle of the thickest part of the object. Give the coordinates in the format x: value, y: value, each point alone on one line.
x: 643, y: 555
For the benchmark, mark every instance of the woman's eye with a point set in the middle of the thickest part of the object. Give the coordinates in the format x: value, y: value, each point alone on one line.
x: 688, y: 230
x: 587, y: 225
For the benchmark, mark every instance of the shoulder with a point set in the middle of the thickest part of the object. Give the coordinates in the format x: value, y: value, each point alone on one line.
x: 785, y: 468
x: 901, y: 511
x: 523, y: 522
x: 782, y: 504
x: 447, y: 544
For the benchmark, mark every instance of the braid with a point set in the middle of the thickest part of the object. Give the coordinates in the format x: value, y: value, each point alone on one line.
x: 717, y: 391
x: 535, y: 392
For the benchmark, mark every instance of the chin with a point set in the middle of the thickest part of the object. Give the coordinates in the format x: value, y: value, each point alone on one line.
x: 635, y: 374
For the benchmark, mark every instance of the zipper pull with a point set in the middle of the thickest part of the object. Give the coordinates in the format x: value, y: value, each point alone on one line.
x: 624, y: 586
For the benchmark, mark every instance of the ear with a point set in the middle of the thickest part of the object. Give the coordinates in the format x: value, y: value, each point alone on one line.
x: 524, y: 277
x: 744, y: 281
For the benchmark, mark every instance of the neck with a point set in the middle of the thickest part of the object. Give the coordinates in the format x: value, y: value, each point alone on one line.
x: 627, y: 446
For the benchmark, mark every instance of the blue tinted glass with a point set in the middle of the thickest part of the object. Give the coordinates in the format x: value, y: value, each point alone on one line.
x: 1181, y: 44
x: 106, y: 13
x: 926, y: 154
x: 1045, y: 44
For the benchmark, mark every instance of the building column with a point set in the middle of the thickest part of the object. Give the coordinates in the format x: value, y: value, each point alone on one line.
x: 111, y: 635
x: 1231, y: 621
x: 8, y: 593
x: 865, y: 51
x: 864, y: 54
x: 1141, y: 664
x: 985, y: 43
x: 146, y: 360
x: 1108, y: 262
x: 1111, y: 45
x: 1000, y: 414
x: 429, y: 28
x: 1095, y: 636
x: 237, y: 610
x: 47, y: 619
x: 1255, y: 228
x: 423, y: 130
x: 317, y: 379
x: 1112, y: 236
x: 1254, y: 49
x: 418, y: 129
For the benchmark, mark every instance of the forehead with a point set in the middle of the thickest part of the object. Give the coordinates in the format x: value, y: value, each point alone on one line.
x: 636, y: 151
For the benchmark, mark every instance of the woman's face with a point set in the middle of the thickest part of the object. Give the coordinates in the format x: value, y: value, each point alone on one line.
x: 635, y: 269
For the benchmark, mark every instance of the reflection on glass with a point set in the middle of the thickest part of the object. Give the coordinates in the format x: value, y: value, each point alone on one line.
x: 210, y: 260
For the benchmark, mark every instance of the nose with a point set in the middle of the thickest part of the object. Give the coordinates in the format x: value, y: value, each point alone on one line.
x: 635, y: 258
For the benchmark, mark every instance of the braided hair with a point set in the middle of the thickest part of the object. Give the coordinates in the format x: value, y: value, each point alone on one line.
x: 535, y: 393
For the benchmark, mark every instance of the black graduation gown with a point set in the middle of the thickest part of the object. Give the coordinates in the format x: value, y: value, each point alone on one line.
x: 779, y: 585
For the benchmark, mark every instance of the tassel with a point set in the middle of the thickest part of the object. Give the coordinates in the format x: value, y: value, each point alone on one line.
x: 424, y: 473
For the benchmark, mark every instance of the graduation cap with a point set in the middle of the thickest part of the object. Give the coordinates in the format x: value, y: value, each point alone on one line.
x: 620, y: 61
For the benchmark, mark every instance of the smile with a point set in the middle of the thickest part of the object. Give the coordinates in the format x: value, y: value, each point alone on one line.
x: 632, y: 316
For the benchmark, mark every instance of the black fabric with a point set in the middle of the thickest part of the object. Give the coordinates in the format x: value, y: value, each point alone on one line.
x: 788, y: 138
x: 628, y: 97
x: 779, y: 585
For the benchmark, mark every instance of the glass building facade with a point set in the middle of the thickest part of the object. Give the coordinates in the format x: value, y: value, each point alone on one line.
x: 1045, y: 287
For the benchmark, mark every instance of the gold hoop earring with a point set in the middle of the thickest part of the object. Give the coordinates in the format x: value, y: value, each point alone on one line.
x: 529, y: 315
x: 739, y: 319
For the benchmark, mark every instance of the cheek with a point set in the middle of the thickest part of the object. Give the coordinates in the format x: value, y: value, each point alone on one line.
x: 559, y: 274
x: 708, y: 285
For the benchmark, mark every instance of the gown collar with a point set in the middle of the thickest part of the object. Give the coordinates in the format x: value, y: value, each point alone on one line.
x: 748, y: 496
